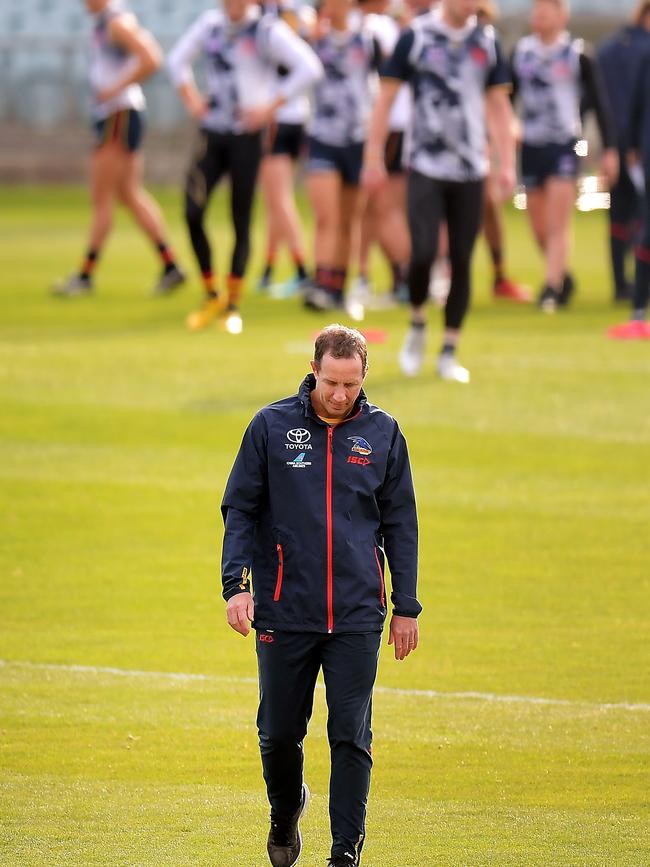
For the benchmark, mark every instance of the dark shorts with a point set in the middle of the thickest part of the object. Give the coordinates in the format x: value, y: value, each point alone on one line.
x: 393, y: 153
x: 541, y: 162
x: 346, y: 160
x: 284, y: 139
x: 125, y: 127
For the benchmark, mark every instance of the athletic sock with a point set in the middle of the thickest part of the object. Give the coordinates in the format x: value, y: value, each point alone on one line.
x: 497, y: 261
x: 448, y: 348
x: 235, y: 286
x: 299, y: 262
x: 209, y: 284
x: 322, y: 277
x: 399, y: 276
x: 269, y: 266
x: 339, y: 276
x: 89, y: 263
x: 169, y: 261
x: 267, y: 272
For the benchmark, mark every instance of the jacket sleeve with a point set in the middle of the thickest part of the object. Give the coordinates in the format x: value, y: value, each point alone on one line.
x: 637, y: 106
x: 399, y: 527
x: 596, y: 99
x: 246, y: 492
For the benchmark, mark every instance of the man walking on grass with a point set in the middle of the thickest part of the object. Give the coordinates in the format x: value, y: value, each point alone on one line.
x: 319, y: 494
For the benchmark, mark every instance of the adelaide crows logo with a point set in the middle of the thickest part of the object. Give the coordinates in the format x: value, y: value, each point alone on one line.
x: 361, y: 446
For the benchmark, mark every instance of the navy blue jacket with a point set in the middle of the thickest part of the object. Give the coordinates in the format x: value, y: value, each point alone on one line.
x: 621, y: 58
x: 310, y: 509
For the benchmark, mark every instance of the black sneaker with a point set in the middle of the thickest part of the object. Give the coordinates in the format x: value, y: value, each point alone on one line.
x: 345, y: 859
x: 170, y: 279
x: 567, y: 290
x: 285, y: 843
x: 548, y: 300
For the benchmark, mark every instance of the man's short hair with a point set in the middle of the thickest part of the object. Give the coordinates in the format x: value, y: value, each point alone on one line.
x: 341, y: 342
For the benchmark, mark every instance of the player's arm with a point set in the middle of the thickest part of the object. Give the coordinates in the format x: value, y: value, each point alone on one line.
x: 637, y: 112
x: 501, y: 131
x: 374, y: 167
x: 596, y: 98
x: 179, y: 65
x: 285, y: 48
x: 395, y: 71
x: 146, y: 54
x: 500, y: 119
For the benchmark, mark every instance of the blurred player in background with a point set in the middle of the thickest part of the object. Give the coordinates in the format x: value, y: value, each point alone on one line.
x: 552, y: 74
x: 122, y: 56
x: 493, y: 231
x: 459, y: 81
x: 337, y: 133
x: 243, y: 48
x: 638, y: 140
x: 283, y: 147
x: 384, y: 216
x: 620, y: 58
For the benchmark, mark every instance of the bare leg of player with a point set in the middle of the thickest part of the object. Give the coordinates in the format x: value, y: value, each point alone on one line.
x: 560, y: 199
x: 536, y: 209
x: 106, y: 169
x: 132, y: 194
x: 392, y: 226
x: 502, y: 286
x: 324, y: 190
x: 148, y: 216
x: 277, y: 179
x: 351, y: 203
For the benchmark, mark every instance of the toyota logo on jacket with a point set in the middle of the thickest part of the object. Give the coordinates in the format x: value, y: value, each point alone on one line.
x: 309, y: 519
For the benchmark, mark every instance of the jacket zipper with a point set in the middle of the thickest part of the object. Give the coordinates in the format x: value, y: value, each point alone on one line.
x: 382, y: 594
x: 328, y: 510
x: 278, y: 583
x: 329, y: 520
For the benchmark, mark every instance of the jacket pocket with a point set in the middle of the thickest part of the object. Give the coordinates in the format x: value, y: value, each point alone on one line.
x: 382, y: 589
x: 278, y: 583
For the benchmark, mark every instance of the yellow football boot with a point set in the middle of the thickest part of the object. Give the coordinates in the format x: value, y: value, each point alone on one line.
x: 212, y: 308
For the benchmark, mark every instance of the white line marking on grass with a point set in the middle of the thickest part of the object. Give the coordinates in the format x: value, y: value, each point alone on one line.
x: 385, y: 690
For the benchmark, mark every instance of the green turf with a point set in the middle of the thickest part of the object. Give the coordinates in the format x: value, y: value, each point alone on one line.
x: 117, y: 430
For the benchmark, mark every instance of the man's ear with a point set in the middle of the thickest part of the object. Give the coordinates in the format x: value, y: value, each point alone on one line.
x: 314, y: 368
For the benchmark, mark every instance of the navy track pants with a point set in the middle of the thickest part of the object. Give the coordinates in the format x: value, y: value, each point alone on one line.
x: 289, y: 663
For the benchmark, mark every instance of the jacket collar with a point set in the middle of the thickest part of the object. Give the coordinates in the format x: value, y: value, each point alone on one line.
x: 304, y: 393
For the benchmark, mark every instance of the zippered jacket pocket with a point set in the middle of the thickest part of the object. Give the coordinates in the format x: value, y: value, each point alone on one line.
x: 278, y: 583
x: 382, y: 588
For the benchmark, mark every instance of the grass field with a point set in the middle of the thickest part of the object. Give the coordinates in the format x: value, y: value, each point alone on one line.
x: 117, y: 430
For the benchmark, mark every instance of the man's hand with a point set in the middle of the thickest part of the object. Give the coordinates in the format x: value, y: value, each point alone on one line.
x: 107, y: 93
x: 240, y: 612
x: 506, y: 180
x: 253, y: 119
x: 403, y: 634
x: 373, y: 175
